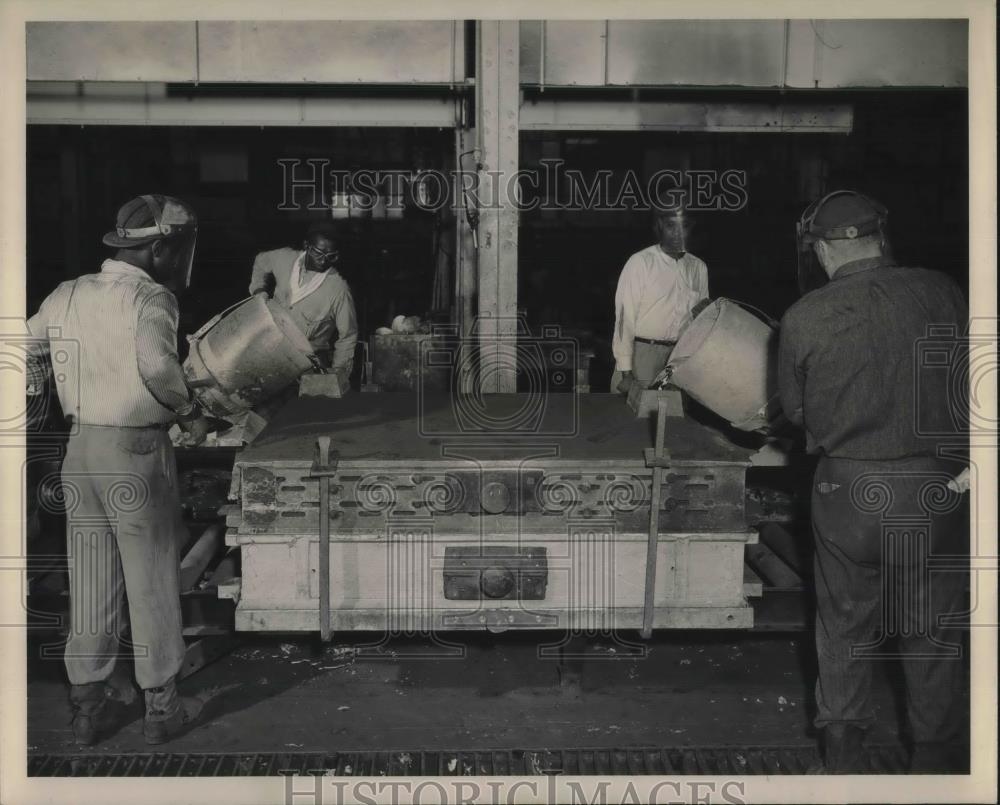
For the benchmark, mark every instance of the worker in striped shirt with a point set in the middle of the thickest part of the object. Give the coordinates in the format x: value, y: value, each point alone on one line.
x: 120, y: 390
x: 659, y: 291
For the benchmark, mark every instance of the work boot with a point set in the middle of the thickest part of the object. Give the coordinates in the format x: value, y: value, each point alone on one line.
x: 843, y: 752
x: 96, y: 715
x: 120, y: 687
x: 167, y: 714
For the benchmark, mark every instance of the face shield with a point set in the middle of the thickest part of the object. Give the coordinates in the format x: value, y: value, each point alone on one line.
x: 675, y: 231
x: 811, y: 274
x: 178, y: 223
x: 159, y: 218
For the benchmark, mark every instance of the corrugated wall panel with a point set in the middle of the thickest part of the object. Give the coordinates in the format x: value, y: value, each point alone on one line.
x: 573, y: 53
x: 744, y: 53
x: 111, y: 51
x: 831, y: 54
x: 884, y: 53
x: 333, y: 51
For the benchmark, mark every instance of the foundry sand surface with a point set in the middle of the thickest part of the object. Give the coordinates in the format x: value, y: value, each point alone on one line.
x: 275, y: 694
x: 412, y: 427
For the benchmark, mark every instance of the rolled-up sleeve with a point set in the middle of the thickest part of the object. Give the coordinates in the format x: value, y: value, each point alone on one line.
x: 260, y: 274
x: 626, y: 307
x: 346, y: 322
x: 156, y: 353
x: 702, y: 280
x: 791, y: 372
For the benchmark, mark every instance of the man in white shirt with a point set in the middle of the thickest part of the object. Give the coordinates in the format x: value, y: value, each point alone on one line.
x: 120, y: 389
x: 658, y: 290
x: 308, y: 285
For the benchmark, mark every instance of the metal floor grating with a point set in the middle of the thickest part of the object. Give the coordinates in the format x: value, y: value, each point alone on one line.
x: 889, y: 759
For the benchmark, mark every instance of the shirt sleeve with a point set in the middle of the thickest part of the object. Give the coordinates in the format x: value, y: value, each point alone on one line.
x: 36, y: 351
x: 156, y: 352
x: 791, y: 373
x: 626, y: 307
x: 702, y: 280
x: 259, y: 275
x: 347, y: 332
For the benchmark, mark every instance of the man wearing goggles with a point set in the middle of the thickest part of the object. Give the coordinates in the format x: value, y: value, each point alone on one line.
x: 308, y: 285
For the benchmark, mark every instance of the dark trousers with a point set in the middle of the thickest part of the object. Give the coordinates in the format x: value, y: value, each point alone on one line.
x: 880, y: 528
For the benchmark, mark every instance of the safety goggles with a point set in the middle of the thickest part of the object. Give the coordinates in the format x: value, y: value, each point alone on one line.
x: 323, y: 258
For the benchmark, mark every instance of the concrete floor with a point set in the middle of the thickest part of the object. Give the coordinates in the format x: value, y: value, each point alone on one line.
x: 288, y: 693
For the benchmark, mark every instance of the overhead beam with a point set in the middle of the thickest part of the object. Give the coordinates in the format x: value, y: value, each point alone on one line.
x: 147, y: 104
x: 547, y: 114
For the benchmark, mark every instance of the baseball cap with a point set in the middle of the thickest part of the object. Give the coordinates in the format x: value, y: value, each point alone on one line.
x: 843, y: 214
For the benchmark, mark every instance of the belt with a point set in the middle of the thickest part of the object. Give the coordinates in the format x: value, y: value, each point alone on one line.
x: 71, y: 421
x: 659, y: 342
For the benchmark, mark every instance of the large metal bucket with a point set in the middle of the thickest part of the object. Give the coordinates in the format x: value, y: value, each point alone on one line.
x: 246, y: 355
x: 727, y: 360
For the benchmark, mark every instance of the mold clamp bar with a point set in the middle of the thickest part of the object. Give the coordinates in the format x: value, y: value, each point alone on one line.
x: 324, y: 468
x: 657, y: 458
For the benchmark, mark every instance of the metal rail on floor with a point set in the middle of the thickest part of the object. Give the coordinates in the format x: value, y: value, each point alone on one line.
x: 744, y: 760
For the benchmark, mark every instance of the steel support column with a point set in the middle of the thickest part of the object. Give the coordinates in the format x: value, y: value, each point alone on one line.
x: 466, y: 253
x: 498, y: 100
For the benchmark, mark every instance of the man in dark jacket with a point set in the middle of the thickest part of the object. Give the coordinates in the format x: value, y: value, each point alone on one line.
x: 883, y: 509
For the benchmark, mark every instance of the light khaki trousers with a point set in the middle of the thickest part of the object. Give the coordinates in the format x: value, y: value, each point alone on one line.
x: 124, y: 532
x: 647, y: 361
